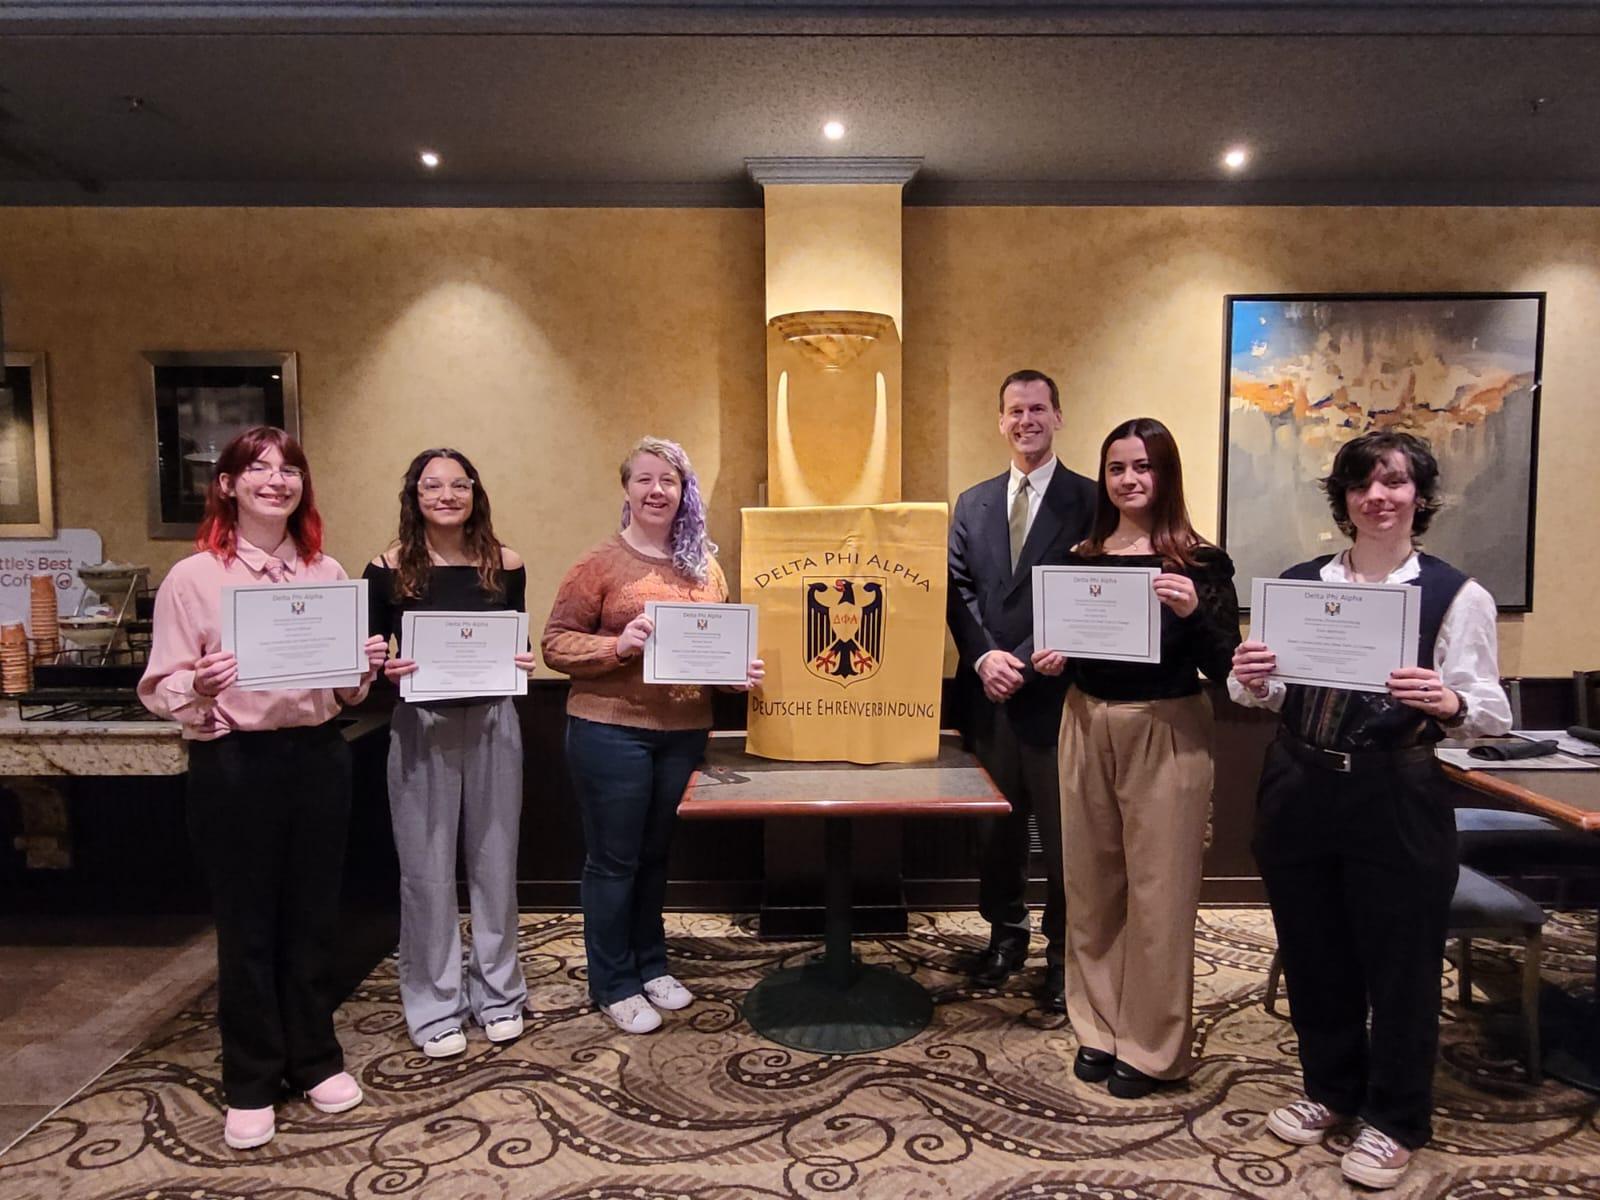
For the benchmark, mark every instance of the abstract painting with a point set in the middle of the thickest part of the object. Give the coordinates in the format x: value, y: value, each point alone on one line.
x: 1304, y: 374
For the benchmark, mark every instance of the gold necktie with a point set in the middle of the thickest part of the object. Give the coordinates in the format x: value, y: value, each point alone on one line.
x: 1018, y: 522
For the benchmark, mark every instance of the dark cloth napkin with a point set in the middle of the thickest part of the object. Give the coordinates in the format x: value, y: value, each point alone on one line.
x: 1505, y: 751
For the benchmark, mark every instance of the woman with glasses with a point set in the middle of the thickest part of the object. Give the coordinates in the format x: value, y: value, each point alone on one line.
x: 455, y: 766
x: 631, y: 746
x: 1355, y: 834
x: 268, y: 788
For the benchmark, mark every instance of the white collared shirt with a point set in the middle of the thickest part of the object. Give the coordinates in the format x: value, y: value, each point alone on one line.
x: 1038, y: 480
x: 1466, y: 653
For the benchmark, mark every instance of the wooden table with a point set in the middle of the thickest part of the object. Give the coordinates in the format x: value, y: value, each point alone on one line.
x: 1571, y: 1023
x: 1571, y: 797
x: 838, y: 1005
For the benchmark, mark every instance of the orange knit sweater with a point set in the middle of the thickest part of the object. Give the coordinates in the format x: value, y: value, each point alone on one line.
x: 605, y: 589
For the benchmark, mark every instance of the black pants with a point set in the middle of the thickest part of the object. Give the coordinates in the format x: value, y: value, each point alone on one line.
x: 268, y: 815
x: 1359, y: 871
x: 1027, y: 776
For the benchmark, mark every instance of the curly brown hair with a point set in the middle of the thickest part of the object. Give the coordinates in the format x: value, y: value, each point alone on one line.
x: 413, y: 564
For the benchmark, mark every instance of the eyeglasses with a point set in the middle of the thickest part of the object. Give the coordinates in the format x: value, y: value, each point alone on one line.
x: 261, y: 472
x: 433, y: 487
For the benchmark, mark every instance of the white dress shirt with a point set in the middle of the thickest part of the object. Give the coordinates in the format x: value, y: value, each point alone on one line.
x: 1466, y: 654
x: 1038, y: 480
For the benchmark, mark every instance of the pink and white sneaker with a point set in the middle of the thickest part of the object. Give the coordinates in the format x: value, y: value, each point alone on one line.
x: 247, y: 1128
x: 336, y: 1094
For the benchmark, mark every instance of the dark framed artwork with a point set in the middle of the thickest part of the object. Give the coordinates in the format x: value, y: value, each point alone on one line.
x: 27, y: 506
x: 200, y: 401
x: 1303, y: 374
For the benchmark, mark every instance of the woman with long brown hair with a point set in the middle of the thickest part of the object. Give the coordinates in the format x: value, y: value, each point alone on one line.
x: 1136, y: 775
x: 268, y: 788
x: 455, y: 766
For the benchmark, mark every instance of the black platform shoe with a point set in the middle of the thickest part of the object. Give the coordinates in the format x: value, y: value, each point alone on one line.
x: 1092, y: 1066
x: 1129, y: 1083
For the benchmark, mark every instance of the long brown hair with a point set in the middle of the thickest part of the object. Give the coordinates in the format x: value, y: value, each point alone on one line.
x: 219, y: 528
x: 1172, y: 534
x: 413, y: 564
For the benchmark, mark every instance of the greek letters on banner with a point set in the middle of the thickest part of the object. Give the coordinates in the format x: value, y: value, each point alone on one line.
x: 852, y: 606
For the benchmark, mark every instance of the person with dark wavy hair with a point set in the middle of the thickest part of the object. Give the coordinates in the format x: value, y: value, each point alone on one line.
x: 1355, y: 833
x: 632, y: 746
x: 1136, y: 776
x: 268, y: 787
x: 1354, y: 465
x: 455, y: 766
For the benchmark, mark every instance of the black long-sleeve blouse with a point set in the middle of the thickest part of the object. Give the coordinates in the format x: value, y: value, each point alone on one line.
x: 1201, y: 643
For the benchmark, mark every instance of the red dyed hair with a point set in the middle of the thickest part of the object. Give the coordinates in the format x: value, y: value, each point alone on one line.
x: 219, y: 528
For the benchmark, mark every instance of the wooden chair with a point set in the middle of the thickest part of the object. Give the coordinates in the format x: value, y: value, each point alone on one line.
x: 1481, y: 908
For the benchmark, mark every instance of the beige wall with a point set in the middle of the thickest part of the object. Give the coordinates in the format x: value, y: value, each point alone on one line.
x: 540, y: 342
x: 543, y: 341
x: 1124, y: 307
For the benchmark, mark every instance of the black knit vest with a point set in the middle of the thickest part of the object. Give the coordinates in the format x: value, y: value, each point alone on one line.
x: 1340, y: 720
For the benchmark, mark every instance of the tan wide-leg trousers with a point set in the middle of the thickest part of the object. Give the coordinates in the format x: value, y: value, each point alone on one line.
x: 1135, y: 791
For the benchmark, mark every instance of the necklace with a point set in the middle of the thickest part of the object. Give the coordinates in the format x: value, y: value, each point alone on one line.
x: 1113, y: 543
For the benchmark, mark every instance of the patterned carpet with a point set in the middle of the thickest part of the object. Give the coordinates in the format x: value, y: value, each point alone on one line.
x: 981, y: 1105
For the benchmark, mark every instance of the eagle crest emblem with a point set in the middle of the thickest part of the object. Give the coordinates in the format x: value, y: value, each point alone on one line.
x: 844, y: 628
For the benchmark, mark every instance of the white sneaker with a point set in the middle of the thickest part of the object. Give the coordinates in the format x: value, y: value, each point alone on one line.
x: 504, y: 1029
x: 666, y: 992
x: 447, y: 1044
x: 633, y: 1014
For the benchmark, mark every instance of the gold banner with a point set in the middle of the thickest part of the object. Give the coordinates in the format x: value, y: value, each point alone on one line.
x: 852, y: 606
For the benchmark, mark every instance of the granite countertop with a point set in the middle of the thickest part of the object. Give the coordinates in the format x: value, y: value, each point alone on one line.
x: 43, y: 748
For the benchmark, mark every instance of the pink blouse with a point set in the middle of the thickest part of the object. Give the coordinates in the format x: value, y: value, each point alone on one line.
x: 188, y: 625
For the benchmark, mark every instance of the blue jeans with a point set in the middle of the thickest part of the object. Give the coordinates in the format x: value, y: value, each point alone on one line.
x: 628, y: 782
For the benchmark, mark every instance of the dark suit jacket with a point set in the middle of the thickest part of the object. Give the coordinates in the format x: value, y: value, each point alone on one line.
x: 991, y: 606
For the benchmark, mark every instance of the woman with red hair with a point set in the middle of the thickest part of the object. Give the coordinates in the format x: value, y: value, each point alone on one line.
x: 268, y: 789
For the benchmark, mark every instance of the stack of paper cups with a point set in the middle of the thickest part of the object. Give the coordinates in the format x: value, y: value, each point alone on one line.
x: 44, y: 620
x: 16, y: 674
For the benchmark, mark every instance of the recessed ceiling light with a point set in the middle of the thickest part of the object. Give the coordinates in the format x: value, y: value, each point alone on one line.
x: 1236, y: 158
x: 833, y: 131
x: 428, y: 158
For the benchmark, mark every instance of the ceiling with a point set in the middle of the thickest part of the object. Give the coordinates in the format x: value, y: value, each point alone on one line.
x: 662, y: 103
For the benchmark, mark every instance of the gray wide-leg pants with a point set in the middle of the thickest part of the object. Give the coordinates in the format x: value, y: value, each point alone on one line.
x: 456, y: 772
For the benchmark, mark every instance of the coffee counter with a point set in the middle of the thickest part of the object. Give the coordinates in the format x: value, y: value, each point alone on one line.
x: 34, y: 749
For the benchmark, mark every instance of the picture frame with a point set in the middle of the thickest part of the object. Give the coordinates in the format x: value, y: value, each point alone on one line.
x: 27, y: 498
x: 1305, y: 372
x: 199, y: 401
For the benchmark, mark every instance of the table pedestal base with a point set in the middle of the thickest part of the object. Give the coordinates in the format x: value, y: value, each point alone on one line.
x: 809, y: 1008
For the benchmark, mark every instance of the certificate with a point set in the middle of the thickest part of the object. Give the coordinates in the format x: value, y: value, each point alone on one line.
x: 1098, y: 612
x: 463, y: 655
x: 699, y: 643
x: 1336, y: 635
x: 286, y: 636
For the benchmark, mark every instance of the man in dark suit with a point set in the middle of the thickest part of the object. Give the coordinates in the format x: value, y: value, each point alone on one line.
x: 1002, y: 529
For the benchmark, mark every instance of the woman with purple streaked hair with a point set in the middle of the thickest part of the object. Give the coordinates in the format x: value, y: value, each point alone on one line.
x: 631, y: 746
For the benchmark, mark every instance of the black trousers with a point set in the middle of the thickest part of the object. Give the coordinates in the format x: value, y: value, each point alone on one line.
x: 268, y: 815
x: 1359, y: 870
x: 1028, y: 777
